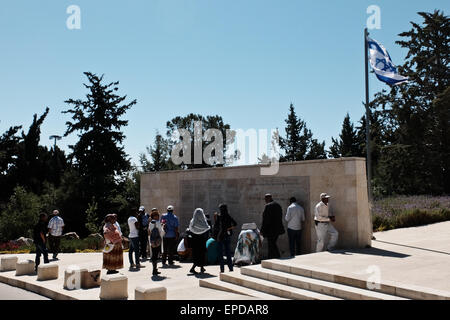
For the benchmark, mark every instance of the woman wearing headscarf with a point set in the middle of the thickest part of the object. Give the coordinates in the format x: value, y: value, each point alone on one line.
x: 113, y: 252
x: 223, y: 227
x: 199, y: 228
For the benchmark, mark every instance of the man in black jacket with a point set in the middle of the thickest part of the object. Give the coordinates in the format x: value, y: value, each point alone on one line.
x: 40, y: 239
x: 272, y: 225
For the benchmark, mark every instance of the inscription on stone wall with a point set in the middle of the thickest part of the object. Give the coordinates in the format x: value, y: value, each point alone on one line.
x: 244, y: 196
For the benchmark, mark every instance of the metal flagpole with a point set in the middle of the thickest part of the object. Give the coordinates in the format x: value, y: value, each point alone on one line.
x: 368, y: 156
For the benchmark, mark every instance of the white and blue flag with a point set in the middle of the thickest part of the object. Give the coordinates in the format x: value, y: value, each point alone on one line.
x: 382, y: 64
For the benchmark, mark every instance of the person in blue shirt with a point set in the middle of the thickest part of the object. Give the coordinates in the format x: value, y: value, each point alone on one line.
x: 170, y: 225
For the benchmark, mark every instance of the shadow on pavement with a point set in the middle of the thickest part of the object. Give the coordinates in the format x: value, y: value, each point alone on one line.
x: 412, y: 247
x: 374, y: 252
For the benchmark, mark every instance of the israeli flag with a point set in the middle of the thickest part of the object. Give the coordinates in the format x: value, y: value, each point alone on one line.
x: 382, y: 64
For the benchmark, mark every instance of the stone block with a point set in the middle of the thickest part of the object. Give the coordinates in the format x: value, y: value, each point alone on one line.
x: 8, y: 263
x: 25, y: 267
x: 73, y: 277
x: 114, y: 287
x: 47, y: 271
x: 150, y: 292
x: 90, y: 279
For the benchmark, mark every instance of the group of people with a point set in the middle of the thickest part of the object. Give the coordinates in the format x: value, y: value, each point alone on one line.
x: 161, y: 233
x: 154, y: 230
x: 272, y: 225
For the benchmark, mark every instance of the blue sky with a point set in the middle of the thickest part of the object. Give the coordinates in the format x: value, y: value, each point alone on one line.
x: 244, y: 60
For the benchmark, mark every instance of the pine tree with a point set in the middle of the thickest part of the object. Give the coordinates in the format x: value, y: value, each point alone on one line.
x: 159, y: 154
x: 293, y: 145
x: 98, y: 156
x: 299, y: 143
x: 348, y: 144
x: 9, y: 148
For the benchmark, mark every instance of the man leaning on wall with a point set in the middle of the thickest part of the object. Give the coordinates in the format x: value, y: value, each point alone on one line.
x: 322, y: 219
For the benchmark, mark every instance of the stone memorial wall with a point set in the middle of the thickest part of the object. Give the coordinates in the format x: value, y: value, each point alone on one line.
x: 242, y: 189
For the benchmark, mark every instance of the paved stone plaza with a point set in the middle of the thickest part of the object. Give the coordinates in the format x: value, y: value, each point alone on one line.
x: 410, y: 258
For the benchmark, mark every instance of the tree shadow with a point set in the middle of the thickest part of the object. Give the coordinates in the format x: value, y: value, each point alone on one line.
x: 372, y: 251
x: 412, y: 247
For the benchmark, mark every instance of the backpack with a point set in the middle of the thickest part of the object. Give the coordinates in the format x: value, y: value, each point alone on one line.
x: 155, y: 238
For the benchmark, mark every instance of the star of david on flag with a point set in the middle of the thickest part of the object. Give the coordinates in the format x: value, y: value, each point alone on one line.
x: 382, y: 64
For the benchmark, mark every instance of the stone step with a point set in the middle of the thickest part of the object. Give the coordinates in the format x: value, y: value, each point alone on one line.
x: 386, y: 286
x: 273, y: 288
x: 320, y: 286
x: 217, y: 284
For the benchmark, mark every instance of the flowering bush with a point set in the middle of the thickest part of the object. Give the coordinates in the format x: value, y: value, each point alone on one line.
x: 409, y: 211
x: 13, y: 247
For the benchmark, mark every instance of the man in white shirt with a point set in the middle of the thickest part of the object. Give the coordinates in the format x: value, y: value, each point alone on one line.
x: 295, y: 215
x: 133, y: 224
x: 322, y: 220
x: 55, y: 230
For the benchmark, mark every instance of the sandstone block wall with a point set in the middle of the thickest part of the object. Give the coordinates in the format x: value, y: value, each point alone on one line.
x: 243, y: 189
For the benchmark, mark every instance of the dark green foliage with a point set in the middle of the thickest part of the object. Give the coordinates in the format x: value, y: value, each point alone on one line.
x: 208, y: 122
x: 411, y: 218
x: 20, y: 215
x: 299, y: 143
x: 9, y: 149
x: 159, y: 156
x: 414, y: 117
x: 349, y: 143
x: 98, y: 156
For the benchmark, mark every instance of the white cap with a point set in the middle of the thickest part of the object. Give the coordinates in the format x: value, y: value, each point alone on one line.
x: 141, y: 208
x: 324, y: 195
x: 170, y: 208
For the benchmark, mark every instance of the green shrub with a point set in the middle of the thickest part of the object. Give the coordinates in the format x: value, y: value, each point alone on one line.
x: 20, y: 215
x: 410, y: 218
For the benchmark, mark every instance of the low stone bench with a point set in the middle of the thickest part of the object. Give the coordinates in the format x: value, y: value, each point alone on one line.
x: 150, y: 292
x: 8, y: 263
x: 90, y: 279
x: 25, y: 267
x: 75, y: 278
x: 47, y: 271
x: 114, y: 287
x: 72, y: 278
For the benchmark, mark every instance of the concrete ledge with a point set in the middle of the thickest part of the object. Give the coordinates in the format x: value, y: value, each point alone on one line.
x: 36, y: 288
x: 8, y: 263
x: 114, y: 287
x: 25, y: 267
x: 47, y: 272
x: 150, y: 292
